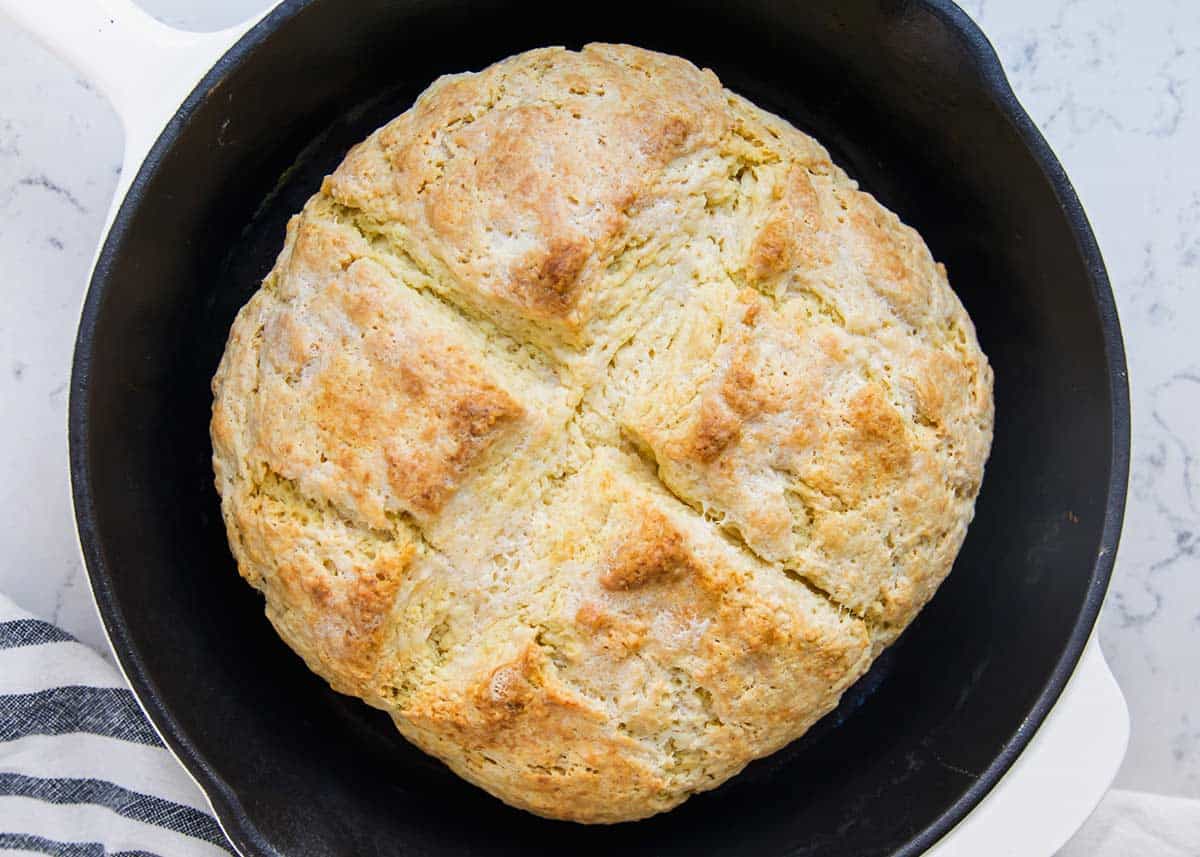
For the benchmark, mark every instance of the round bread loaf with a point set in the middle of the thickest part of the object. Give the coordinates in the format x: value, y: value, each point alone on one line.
x: 595, y: 426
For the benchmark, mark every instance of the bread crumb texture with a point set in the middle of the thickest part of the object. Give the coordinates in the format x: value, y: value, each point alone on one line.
x: 595, y: 426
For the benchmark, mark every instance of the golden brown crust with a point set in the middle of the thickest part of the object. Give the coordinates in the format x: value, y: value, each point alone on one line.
x: 311, y: 566
x: 653, y: 552
x: 359, y: 397
x: 512, y: 179
x: 667, y: 663
x: 794, y: 234
x: 597, y: 427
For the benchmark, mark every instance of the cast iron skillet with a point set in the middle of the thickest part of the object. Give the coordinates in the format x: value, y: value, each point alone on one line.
x: 912, y: 101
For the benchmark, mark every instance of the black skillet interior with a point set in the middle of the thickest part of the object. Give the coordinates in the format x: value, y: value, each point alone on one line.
x: 909, y: 99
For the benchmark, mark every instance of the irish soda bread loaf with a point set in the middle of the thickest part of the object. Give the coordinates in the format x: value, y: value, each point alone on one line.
x: 595, y: 426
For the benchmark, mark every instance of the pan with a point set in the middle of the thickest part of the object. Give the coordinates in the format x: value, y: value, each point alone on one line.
x: 228, y: 133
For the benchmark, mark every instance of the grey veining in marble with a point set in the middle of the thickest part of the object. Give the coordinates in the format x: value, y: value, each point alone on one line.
x: 57, y: 173
x: 1115, y: 86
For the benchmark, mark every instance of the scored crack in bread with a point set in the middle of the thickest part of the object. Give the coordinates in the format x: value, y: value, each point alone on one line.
x: 595, y: 425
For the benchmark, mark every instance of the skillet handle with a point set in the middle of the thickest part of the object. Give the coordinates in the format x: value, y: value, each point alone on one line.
x: 1058, y: 780
x: 142, y: 66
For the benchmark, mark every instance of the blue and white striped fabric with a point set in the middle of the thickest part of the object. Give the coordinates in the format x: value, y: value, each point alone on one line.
x: 82, y: 773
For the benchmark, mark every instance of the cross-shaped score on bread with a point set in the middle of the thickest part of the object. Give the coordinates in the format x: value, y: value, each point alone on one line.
x: 597, y: 427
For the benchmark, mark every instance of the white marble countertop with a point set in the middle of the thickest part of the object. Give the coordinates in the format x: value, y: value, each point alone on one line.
x: 1114, y: 86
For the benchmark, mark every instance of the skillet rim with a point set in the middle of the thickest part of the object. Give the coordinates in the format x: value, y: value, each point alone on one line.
x: 231, y: 816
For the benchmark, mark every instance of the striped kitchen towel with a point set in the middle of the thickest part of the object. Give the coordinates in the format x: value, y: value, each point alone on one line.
x: 82, y: 773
